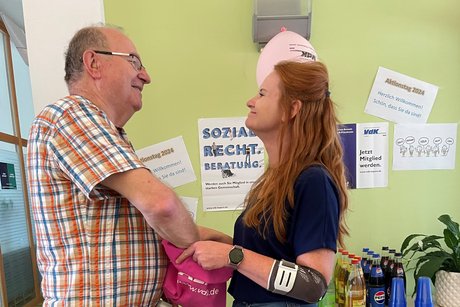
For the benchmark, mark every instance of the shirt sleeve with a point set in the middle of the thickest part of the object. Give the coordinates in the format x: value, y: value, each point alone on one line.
x: 316, y: 212
x: 89, y: 148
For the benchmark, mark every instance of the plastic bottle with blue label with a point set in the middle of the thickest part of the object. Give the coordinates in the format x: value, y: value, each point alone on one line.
x: 376, y: 289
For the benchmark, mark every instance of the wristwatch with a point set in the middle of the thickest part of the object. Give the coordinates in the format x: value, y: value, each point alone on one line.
x: 235, y: 256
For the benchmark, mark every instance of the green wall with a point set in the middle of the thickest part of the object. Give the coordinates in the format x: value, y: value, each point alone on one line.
x: 202, y: 62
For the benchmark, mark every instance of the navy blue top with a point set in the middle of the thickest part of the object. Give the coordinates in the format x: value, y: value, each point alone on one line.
x: 312, y: 224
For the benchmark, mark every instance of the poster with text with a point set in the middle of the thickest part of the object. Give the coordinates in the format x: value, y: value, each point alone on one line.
x: 169, y: 161
x: 191, y: 204
x: 7, y: 176
x: 424, y: 146
x: 231, y: 158
x: 399, y: 98
x: 365, y: 154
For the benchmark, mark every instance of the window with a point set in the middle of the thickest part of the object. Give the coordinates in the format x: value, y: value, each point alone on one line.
x: 19, y: 276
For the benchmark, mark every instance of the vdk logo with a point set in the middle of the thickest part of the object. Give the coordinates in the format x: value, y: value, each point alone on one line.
x: 371, y: 131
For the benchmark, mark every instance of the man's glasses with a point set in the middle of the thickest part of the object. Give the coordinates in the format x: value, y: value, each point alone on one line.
x: 133, y: 59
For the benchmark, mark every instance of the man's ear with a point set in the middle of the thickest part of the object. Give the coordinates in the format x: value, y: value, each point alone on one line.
x: 91, y: 64
x: 295, y: 107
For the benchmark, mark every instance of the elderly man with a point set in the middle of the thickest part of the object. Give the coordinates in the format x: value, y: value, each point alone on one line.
x: 99, y: 212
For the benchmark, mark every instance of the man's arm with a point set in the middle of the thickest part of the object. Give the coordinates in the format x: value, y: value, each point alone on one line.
x: 214, y: 235
x: 158, y: 204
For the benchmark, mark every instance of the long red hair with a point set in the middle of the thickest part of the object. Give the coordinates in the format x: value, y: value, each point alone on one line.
x: 313, y: 140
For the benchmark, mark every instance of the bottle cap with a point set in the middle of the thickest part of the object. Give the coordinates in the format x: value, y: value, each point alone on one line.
x: 398, y: 293
x: 423, y: 297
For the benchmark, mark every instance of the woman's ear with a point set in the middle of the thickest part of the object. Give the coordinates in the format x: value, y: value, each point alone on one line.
x: 295, y: 107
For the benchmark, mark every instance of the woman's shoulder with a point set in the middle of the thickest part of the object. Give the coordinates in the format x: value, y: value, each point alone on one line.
x: 315, y: 176
x: 314, y: 172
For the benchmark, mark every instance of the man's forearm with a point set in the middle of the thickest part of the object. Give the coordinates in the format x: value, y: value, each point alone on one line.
x: 177, y: 227
x: 214, y: 235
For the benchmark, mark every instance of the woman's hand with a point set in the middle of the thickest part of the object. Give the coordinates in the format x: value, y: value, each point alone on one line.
x: 208, y: 254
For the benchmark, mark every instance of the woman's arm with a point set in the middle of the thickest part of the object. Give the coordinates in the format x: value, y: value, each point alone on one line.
x: 322, y: 260
x: 304, y: 280
x: 257, y: 267
x: 213, y: 255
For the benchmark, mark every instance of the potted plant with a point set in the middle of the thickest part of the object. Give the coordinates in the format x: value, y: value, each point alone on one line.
x: 437, y: 257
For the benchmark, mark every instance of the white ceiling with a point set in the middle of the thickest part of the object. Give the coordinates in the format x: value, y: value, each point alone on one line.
x: 13, y: 9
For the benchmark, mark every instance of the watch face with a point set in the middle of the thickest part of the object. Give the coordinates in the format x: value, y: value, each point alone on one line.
x: 236, y: 255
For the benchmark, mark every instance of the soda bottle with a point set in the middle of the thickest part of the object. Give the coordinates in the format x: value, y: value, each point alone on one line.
x: 343, y: 271
x: 384, y: 258
x: 376, y: 289
x: 391, y: 258
x: 360, y: 269
x: 367, y: 265
x: 388, y: 272
x: 356, y: 286
x: 338, y: 264
x: 398, y: 270
x: 367, y: 271
x: 364, y: 256
x: 351, y: 256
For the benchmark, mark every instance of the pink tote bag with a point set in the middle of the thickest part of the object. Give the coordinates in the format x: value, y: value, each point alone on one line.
x: 189, y: 285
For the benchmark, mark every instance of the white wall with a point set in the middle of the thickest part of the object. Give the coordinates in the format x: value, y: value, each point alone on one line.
x: 49, y: 26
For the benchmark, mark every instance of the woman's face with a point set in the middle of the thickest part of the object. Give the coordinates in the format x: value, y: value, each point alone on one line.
x: 265, y: 114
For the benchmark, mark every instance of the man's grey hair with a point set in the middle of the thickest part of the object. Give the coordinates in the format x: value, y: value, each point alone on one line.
x: 86, y: 38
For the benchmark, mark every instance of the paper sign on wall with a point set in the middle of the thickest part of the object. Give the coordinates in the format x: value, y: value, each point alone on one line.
x: 231, y: 158
x: 191, y: 204
x: 365, y: 154
x: 399, y: 98
x: 420, y: 147
x: 7, y: 176
x: 169, y: 161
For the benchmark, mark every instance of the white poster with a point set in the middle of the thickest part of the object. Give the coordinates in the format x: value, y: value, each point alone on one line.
x: 365, y: 154
x: 399, y: 98
x: 191, y: 204
x: 421, y: 147
x: 169, y: 161
x: 231, y: 158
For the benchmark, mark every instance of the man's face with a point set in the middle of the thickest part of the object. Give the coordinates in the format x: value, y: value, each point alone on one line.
x: 122, y: 82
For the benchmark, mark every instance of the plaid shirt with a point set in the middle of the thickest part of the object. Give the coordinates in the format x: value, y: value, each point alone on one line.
x: 93, y: 247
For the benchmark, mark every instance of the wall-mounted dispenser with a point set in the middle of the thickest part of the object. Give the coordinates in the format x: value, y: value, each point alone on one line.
x: 271, y: 15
